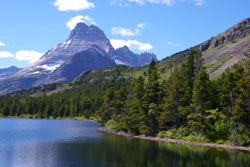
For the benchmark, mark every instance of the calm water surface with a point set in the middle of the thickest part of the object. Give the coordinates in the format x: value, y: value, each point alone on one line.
x: 66, y: 143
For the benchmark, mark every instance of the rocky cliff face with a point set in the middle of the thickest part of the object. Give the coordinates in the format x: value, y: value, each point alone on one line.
x: 91, y: 59
x: 5, y: 72
x: 81, y: 38
x: 125, y: 56
x: 237, y: 32
x: 60, y: 65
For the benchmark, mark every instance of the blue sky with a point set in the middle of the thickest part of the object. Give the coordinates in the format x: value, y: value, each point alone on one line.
x: 30, y: 28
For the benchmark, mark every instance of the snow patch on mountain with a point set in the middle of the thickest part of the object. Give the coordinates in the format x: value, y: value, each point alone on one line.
x: 119, y: 62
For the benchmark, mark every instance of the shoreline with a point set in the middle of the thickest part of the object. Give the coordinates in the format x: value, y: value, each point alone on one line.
x: 70, y: 119
x: 173, y: 141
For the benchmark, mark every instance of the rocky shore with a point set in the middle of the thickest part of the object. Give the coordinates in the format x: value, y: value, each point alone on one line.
x: 175, y: 141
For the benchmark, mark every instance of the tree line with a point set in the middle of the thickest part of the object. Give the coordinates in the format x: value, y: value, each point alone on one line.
x: 188, y: 105
x: 82, y: 99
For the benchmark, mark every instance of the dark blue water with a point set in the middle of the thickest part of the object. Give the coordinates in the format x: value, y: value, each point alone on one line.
x: 66, y: 143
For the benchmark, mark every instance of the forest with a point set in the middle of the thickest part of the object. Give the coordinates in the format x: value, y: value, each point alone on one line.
x: 187, y: 105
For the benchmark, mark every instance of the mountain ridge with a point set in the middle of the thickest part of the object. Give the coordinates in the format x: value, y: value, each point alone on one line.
x: 5, y: 72
x: 216, y: 58
x: 81, y: 38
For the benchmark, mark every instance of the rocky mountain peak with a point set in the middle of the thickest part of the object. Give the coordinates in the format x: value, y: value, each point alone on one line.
x: 63, y: 63
x: 87, y: 33
x: 125, y: 56
x: 124, y: 48
x: 235, y: 33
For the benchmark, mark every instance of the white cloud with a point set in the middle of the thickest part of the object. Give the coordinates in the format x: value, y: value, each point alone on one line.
x: 124, y: 31
x: 127, y: 31
x: 2, y: 44
x: 79, y: 19
x: 173, y: 44
x: 132, y: 44
x: 30, y: 56
x: 125, y: 3
x: 165, y: 2
x: 141, y: 25
x: 141, y: 2
x: 199, y: 2
x: 4, y: 54
x: 73, y: 5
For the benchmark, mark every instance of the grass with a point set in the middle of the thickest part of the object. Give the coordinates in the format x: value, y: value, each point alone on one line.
x: 208, y: 65
x: 214, y: 68
x: 224, y: 58
x: 222, y: 46
x: 184, y: 133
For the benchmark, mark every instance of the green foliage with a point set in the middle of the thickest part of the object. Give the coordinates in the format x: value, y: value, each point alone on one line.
x: 187, y: 105
x: 196, y: 137
x: 222, y: 129
x: 175, y: 134
x: 214, y: 68
x: 224, y: 58
x: 201, y: 101
x: 84, y: 99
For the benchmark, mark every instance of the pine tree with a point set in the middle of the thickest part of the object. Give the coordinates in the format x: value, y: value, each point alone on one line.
x: 187, y: 79
x: 108, y: 106
x: 152, y: 89
x: 241, y: 113
x: 152, y: 97
x: 171, y: 115
x: 200, y: 101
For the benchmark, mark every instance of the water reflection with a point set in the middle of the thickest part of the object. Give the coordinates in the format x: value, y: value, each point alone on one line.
x: 92, y: 149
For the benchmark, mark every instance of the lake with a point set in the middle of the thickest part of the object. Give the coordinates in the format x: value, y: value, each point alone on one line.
x: 68, y: 143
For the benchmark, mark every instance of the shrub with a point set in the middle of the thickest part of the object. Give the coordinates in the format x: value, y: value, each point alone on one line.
x: 222, y: 129
x: 182, y: 132
x: 196, y: 137
x: 111, y: 124
x: 240, y: 136
x: 145, y: 130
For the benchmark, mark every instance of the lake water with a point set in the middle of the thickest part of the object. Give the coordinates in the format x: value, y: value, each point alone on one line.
x: 67, y: 143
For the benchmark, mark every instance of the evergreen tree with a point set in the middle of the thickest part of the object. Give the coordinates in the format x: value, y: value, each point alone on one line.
x: 135, y: 114
x: 171, y: 115
x: 152, y: 97
x: 241, y: 113
x: 200, y: 101
x: 187, y: 79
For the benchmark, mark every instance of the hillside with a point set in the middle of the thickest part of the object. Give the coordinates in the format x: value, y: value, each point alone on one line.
x: 193, y: 96
x: 54, y: 66
x: 216, y: 58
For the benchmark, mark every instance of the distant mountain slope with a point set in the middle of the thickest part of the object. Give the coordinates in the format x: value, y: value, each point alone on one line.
x: 91, y: 59
x: 126, y: 57
x: 5, y: 72
x: 237, y: 32
x: 219, y: 53
x: 218, y: 60
x: 82, y: 37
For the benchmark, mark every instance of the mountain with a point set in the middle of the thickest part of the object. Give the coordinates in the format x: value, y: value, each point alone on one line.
x: 51, y: 67
x: 216, y: 59
x: 81, y: 38
x: 80, y: 62
x: 237, y: 32
x: 5, y: 72
x: 126, y: 57
x: 219, y: 52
